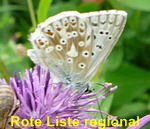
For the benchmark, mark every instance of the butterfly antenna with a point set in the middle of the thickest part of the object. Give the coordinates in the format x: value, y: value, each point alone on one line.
x: 99, y: 107
x: 105, y: 86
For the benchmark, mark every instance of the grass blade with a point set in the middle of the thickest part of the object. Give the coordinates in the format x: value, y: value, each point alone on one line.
x: 43, y: 9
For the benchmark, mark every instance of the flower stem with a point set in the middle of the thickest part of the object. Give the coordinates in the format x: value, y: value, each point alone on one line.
x: 32, y: 14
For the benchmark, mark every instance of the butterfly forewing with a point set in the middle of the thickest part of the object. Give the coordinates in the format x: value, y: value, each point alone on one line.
x: 73, y: 45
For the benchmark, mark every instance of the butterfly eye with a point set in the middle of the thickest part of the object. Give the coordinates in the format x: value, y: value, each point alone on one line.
x: 81, y: 43
x: 63, y: 41
x: 69, y: 60
x: 81, y: 65
x: 59, y: 47
x: 85, y: 54
x: 49, y: 49
x: 74, y: 34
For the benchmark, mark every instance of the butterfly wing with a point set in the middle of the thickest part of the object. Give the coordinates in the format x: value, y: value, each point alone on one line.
x: 107, y: 26
x: 73, y: 45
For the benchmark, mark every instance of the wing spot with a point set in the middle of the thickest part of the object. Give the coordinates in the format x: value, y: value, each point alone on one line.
x: 103, y: 23
x: 49, y: 30
x: 81, y: 65
x: 99, y: 46
x: 65, y: 22
x: 49, y: 49
x: 63, y: 41
x: 107, y: 33
x: 110, y: 38
x: 73, y: 19
x: 92, y: 54
x: 69, y: 35
x: 42, y: 42
x: 81, y: 43
x: 81, y: 24
x: 69, y: 60
x: 74, y: 34
x: 85, y: 54
x: 81, y: 30
x: 94, y: 36
x: 50, y: 33
x: 59, y: 47
x: 58, y: 29
x: 88, y: 37
x: 101, y: 32
x: 94, y: 24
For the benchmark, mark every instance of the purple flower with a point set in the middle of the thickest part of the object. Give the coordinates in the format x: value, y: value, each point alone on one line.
x: 143, y: 121
x: 40, y: 97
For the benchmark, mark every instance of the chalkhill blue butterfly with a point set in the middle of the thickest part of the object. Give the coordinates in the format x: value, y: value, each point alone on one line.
x: 73, y: 45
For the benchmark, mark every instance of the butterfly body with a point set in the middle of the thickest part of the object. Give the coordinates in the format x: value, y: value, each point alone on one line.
x: 73, y: 45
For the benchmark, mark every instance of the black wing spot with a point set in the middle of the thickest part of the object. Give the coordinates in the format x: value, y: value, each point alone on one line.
x: 110, y: 38
x: 92, y: 54
x: 107, y: 33
x: 88, y: 37
x: 94, y: 24
x: 99, y: 46
x: 101, y: 32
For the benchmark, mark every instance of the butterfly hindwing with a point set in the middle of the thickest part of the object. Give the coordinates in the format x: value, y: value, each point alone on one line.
x: 107, y: 27
x: 73, y: 45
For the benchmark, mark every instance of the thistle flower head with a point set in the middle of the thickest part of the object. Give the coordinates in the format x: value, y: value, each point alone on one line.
x: 40, y: 97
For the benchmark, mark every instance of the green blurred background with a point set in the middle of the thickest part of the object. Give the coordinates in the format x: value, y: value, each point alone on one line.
x: 128, y: 66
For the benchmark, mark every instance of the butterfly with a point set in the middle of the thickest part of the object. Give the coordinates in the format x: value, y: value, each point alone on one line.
x: 73, y: 45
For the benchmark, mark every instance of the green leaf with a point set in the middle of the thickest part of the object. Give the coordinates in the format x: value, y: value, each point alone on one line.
x: 61, y: 6
x: 137, y: 4
x: 132, y: 82
x: 115, y: 59
x: 13, y: 62
x: 43, y: 8
x: 86, y: 7
x: 131, y: 109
